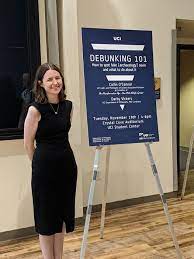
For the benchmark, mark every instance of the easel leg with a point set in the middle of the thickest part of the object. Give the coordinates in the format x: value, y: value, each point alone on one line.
x: 155, y: 173
x: 105, y: 193
x: 89, y: 206
x: 187, y: 166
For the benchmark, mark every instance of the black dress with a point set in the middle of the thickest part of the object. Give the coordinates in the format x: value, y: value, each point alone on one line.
x: 54, y: 171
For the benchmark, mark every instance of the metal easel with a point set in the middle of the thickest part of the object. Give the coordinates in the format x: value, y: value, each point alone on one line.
x: 103, y: 211
x: 91, y: 194
x: 90, y: 201
x: 187, y: 164
x: 164, y: 202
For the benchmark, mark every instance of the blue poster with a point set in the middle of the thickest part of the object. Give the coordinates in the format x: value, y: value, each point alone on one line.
x: 119, y: 86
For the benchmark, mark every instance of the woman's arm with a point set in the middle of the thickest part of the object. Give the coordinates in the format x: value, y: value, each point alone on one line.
x: 71, y: 114
x: 30, y: 128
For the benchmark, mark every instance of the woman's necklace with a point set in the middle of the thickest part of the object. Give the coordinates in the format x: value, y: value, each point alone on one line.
x: 56, y: 112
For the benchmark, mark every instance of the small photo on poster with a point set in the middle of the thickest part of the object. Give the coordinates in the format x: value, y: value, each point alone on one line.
x: 157, y: 84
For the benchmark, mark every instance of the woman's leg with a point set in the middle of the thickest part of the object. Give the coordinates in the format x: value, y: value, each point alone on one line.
x: 47, y: 246
x: 58, y: 244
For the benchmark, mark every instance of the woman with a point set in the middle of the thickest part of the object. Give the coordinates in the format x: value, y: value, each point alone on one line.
x: 54, y: 170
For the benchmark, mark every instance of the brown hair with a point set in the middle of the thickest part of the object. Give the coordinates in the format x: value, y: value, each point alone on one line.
x: 39, y: 92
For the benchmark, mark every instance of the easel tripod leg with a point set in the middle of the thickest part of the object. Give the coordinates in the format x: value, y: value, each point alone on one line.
x: 187, y: 166
x: 105, y: 193
x: 164, y: 202
x: 89, y: 206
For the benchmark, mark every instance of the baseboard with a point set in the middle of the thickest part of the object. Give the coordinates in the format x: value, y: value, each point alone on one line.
x: 18, y: 233
x: 131, y: 202
x: 30, y: 231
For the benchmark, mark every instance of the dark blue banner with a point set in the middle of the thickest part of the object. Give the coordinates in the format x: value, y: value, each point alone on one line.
x: 119, y: 84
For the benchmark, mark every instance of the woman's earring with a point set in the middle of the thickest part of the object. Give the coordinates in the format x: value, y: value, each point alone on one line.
x: 40, y: 83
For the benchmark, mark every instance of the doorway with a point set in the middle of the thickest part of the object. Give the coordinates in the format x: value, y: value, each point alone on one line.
x: 185, y: 112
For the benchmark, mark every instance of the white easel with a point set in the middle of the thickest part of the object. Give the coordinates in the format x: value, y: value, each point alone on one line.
x: 91, y: 194
x: 187, y: 164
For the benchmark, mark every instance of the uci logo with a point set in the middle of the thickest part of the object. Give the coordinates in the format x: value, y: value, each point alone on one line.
x: 144, y: 135
x: 117, y: 38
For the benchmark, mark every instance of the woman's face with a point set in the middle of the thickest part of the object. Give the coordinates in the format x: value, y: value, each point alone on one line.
x: 52, y: 82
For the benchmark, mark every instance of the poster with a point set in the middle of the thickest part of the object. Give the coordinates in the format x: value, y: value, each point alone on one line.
x: 119, y: 86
